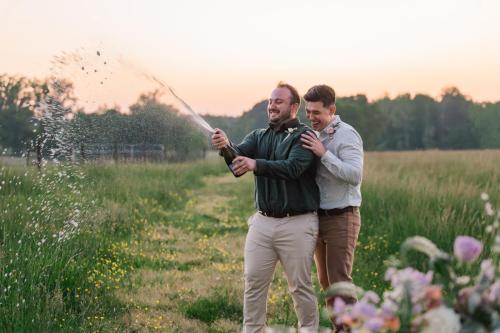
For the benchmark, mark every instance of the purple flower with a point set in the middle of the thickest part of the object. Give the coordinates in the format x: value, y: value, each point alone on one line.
x: 374, y: 324
x: 467, y: 249
x: 364, y: 310
x: 408, y: 280
x: 338, y: 306
x: 371, y: 297
x: 389, y: 308
x: 494, y: 295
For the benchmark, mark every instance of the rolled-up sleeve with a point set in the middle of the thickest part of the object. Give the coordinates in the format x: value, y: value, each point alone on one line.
x: 348, y: 164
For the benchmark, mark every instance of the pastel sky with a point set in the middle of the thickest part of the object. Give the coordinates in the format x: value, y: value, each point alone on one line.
x: 224, y: 56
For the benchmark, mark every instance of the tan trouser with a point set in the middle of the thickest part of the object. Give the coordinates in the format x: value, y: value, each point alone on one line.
x: 290, y: 240
x: 334, y: 253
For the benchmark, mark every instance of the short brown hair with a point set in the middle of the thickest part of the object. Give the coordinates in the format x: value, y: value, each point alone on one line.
x: 295, y: 94
x: 322, y: 93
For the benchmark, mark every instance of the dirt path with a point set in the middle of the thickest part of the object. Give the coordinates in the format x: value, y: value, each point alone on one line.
x: 190, y: 262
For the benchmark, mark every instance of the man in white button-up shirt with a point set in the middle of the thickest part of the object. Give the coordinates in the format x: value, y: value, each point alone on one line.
x: 339, y: 175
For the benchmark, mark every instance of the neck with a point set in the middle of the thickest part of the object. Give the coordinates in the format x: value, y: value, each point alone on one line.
x: 283, y: 124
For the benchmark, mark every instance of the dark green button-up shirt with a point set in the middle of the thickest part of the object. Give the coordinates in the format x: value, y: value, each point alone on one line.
x: 285, y: 173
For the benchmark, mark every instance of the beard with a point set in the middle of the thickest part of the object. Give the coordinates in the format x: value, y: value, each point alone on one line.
x: 283, y: 116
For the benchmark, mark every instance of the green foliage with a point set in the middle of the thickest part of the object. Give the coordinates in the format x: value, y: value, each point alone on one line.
x: 18, y: 97
x: 221, y: 304
x: 402, y: 123
x: 432, y: 194
x: 51, y: 285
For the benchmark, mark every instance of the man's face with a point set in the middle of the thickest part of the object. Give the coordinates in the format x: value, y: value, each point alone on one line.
x: 279, y: 107
x: 319, y: 115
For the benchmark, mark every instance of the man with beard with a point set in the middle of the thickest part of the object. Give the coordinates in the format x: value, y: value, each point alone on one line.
x: 285, y: 226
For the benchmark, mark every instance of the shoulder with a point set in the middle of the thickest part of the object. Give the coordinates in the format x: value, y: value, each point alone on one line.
x: 349, y: 133
x: 302, y: 128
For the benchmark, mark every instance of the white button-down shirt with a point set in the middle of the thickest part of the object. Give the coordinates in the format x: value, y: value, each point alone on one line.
x: 341, y: 168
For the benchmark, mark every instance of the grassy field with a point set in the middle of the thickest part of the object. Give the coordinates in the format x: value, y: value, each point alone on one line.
x: 154, y: 248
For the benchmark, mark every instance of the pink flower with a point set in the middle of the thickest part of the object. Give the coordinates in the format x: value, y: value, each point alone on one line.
x: 467, y: 249
x: 494, y: 295
x: 488, y: 269
x: 339, y: 306
x: 375, y: 324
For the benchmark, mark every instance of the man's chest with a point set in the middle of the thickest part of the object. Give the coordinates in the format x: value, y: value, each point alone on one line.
x: 276, y: 146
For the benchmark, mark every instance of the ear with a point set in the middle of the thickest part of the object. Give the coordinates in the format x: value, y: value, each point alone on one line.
x: 294, y: 109
x: 332, y: 109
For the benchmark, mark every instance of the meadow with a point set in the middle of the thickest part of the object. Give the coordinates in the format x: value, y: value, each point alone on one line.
x: 159, y: 248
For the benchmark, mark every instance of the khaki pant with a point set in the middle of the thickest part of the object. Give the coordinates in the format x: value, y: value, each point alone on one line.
x: 334, y: 253
x: 290, y: 240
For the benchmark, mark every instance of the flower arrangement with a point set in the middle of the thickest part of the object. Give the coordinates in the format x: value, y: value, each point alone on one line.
x: 437, y: 301
x: 330, y: 130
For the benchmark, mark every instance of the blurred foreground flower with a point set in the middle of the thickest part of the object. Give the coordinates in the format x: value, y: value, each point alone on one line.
x: 441, y: 320
x: 467, y: 249
x: 415, y: 303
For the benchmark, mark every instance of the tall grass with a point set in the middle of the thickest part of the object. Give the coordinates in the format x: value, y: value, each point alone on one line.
x: 157, y: 247
x: 434, y: 194
x: 61, y: 233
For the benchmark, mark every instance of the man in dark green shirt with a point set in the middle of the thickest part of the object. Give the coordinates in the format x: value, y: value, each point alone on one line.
x: 285, y: 226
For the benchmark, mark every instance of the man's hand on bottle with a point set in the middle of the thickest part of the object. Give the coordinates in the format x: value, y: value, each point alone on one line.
x: 242, y: 165
x: 219, y: 139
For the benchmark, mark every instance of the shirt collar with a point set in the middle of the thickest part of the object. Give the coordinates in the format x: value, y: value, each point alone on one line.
x: 283, y: 126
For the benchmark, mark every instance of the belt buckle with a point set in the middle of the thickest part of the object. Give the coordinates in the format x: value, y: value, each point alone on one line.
x: 264, y: 213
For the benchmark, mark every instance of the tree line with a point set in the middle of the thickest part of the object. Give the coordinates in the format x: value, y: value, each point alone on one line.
x: 39, y: 117
x: 453, y: 121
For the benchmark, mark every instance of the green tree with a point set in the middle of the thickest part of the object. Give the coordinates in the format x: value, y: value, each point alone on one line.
x: 17, y: 103
x: 486, y: 118
x: 456, y: 127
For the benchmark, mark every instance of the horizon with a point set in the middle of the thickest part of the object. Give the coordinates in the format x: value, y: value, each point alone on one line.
x: 224, y: 57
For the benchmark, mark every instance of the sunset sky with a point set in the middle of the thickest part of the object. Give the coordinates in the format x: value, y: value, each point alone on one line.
x: 224, y: 56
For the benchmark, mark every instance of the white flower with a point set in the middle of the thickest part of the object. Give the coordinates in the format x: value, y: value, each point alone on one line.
x: 463, y: 280
x: 290, y: 130
x: 485, y: 196
x: 441, y: 320
x: 489, y: 209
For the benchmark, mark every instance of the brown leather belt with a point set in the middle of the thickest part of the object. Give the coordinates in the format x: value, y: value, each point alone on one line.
x: 282, y: 214
x: 336, y: 211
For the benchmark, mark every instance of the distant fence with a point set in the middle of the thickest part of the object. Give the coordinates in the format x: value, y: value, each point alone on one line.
x: 109, y: 152
x: 134, y: 152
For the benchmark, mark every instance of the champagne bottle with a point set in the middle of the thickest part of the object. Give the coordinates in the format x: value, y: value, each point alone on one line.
x: 229, y: 154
